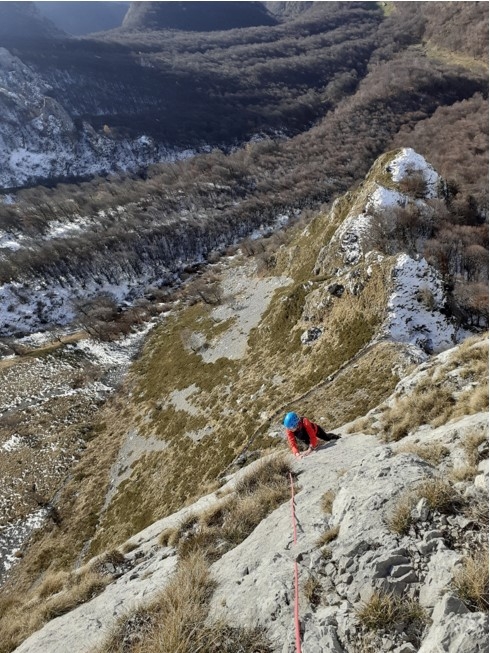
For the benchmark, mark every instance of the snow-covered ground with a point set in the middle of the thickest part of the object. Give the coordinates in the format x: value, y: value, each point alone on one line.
x: 407, y: 162
x: 12, y: 536
x: 414, y: 308
x: 26, y: 306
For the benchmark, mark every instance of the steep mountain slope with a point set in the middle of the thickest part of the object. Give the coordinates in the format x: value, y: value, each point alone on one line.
x: 188, y: 90
x: 345, y: 62
x: 21, y: 22
x: 352, y: 312
x: 373, y: 575
x: 184, y: 93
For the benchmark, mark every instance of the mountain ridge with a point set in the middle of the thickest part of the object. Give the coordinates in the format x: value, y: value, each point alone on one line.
x: 189, y: 16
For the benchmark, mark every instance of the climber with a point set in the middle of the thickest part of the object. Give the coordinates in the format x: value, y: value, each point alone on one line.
x: 302, y: 429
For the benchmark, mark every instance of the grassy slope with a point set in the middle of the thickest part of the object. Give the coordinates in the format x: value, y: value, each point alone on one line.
x: 236, y: 398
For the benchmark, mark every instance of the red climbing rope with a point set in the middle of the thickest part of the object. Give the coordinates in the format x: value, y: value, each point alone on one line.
x: 296, y: 584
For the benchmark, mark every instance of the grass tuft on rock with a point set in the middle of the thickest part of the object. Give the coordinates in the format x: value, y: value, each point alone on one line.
x: 388, y: 613
x: 441, y: 496
x: 471, y: 580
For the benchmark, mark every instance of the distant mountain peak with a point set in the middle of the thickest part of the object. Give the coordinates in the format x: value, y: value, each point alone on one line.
x: 21, y: 21
x: 196, y: 16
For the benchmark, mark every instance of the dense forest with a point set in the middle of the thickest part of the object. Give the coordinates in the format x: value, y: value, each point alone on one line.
x: 327, y: 91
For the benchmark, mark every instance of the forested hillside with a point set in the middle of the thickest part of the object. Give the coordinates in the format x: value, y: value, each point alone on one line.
x: 354, y: 83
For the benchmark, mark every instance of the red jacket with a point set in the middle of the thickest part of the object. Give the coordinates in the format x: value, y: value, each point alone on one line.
x: 307, y: 431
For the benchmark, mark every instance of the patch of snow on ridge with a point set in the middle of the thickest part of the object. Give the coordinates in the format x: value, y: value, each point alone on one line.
x: 408, y: 162
x: 383, y: 198
x: 355, y: 227
x: 414, y: 308
x: 14, y: 535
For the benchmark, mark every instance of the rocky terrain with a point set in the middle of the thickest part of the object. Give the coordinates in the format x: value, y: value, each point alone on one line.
x: 49, y: 399
x: 349, y: 553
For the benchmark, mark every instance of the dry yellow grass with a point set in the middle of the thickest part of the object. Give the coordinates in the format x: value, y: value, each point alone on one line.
x: 176, y: 621
x: 59, y: 593
x: 435, y: 399
x: 400, y: 518
x: 440, y: 495
x: 328, y: 536
x: 471, y: 444
x: 386, y: 612
x: 463, y: 473
x: 222, y: 527
x: 327, y: 502
x: 312, y: 590
x: 433, y: 453
x: 471, y: 580
x: 421, y: 407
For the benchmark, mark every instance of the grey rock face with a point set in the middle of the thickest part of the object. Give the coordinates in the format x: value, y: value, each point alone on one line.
x: 456, y: 631
x: 440, y: 574
x: 255, y: 583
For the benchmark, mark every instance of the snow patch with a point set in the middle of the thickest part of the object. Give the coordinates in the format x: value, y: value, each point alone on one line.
x: 264, y: 230
x: 414, y: 308
x: 9, y: 241
x: 13, y: 443
x: 118, y: 353
x: 407, y: 162
x: 14, y: 535
x: 384, y: 198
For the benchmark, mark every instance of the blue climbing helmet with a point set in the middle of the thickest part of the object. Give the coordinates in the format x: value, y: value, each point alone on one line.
x: 291, y: 420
